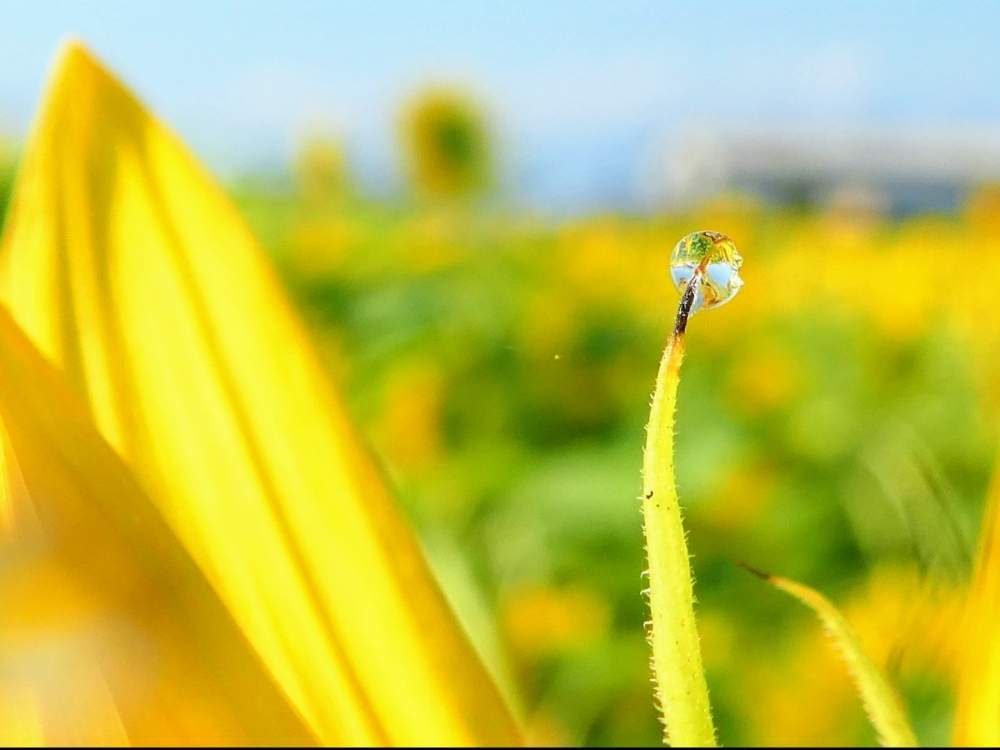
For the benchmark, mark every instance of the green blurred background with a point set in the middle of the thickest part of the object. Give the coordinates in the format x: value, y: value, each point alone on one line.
x: 837, y: 421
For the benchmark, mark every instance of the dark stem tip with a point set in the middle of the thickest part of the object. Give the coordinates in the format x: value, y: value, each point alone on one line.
x: 756, y: 571
x: 687, y: 302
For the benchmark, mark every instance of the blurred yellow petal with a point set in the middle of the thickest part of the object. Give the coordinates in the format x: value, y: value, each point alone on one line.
x: 109, y: 633
x: 128, y: 266
x: 20, y: 722
x: 5, y: 490
x: 977, y: 715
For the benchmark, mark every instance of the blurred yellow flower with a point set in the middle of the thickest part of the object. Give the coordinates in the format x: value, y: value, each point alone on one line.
x: 765, y: 378
x: 446, y: 144
x: 408, y: 428
x: 321, y: 171
x: 741, y: 498
x: 431, y: 242
x: 982, y: 210
x: 540, y: 620
x: 977, y: 720
x: 318, y: 247
x: 244, y: 558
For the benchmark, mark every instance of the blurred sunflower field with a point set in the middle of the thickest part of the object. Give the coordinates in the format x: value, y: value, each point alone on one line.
x: 837, y: 424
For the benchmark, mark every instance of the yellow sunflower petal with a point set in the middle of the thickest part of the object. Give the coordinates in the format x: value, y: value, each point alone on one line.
x: 977, y: 715
x: 109, y: 633
x: 127, y: 265
x: 20, y: 722
x: 6, y: 509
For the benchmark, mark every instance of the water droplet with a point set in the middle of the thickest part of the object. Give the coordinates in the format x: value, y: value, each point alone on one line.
x: 720, y: 262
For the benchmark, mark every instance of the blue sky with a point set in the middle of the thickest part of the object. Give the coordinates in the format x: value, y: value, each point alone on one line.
x: 582, y: 93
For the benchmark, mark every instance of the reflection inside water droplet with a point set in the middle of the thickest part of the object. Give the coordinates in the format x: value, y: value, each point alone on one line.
x: 720, y: 262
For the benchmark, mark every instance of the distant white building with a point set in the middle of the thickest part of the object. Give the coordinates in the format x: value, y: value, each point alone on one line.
x: 900, y: 171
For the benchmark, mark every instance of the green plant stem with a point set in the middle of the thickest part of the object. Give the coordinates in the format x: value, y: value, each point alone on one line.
x: 676, y: 662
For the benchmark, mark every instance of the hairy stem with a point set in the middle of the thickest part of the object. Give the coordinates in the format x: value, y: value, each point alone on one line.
x: 881, y: 702
x: 677, y: 667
